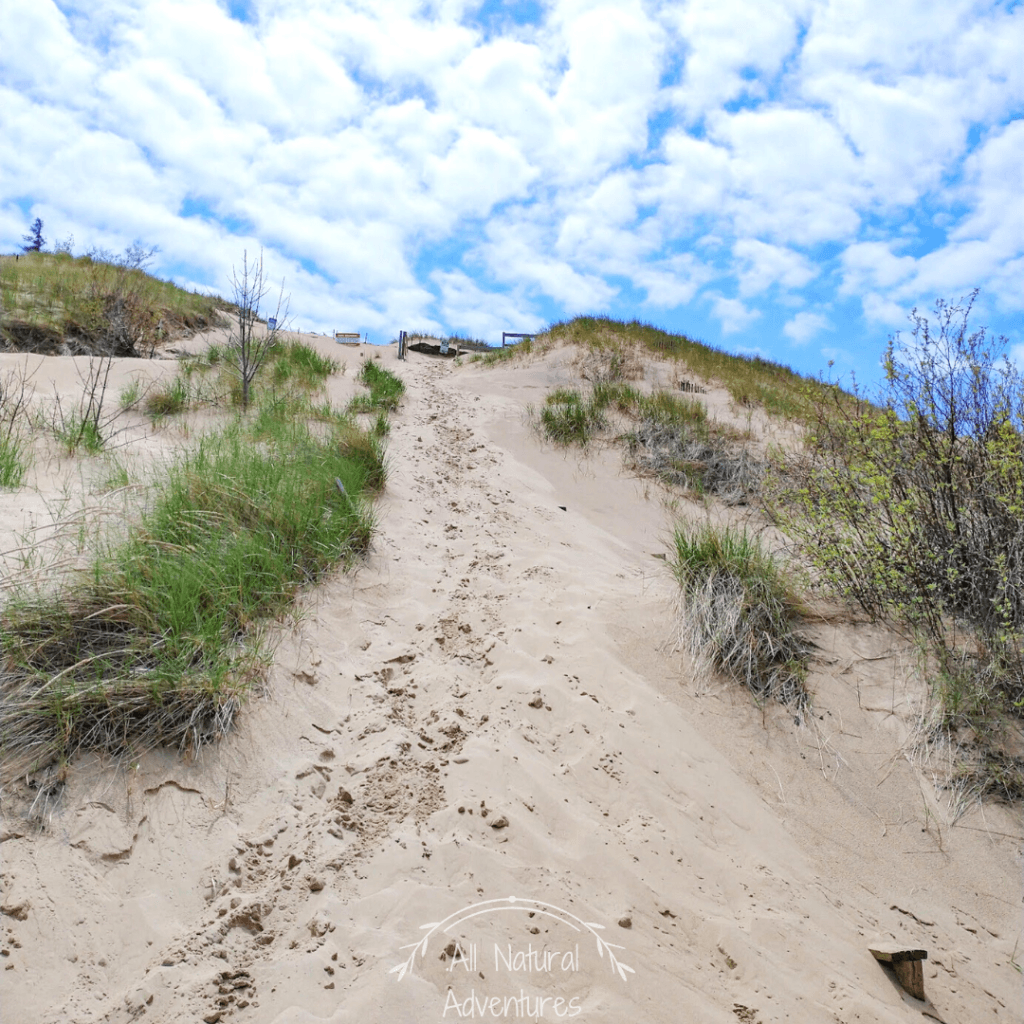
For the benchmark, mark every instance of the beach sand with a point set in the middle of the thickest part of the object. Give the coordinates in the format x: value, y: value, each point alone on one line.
x: 493, y: 705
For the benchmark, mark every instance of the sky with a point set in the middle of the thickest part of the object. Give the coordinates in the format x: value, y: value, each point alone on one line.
x: 786, y: 178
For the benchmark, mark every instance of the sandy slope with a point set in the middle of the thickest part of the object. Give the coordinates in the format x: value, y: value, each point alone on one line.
x: 498, y: 652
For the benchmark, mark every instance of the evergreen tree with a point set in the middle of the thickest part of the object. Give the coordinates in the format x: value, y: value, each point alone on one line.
x: 35, y: 238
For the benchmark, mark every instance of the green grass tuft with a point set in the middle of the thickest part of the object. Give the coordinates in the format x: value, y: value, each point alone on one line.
x: 386, y: 389
x: 569, y: 417
x: 737, y: 612
x: 14, y: 460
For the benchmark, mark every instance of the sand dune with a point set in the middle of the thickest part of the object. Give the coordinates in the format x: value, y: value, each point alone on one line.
x: 492, y: 706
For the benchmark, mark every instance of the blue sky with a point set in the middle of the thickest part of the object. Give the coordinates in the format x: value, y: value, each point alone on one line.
x: 781, y: 177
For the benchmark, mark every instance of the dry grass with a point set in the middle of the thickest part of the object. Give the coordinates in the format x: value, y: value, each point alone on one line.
x: 737, y: 612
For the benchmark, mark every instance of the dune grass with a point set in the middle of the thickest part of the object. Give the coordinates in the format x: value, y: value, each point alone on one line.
x: 738, y: 608
x: 50, y: 299
x: 14, y: 460
x: 385, y: 389
x: 569, y: 417
x: 293, y: 368
x: 777, y: 388
x: 161, y: 638
x: 504, y: 354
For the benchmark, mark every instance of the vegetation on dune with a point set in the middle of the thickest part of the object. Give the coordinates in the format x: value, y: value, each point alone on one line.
x: 666, y: 434
x: 908, y: 503
x: 750, y: 381
x: 569, y: 417
x: 160, y: 640
x: 506, y: 353
x: 385, y: 389
x: 912, y: 507
x: 100, y: 303
x: 161, y: 637
x: 15, y: 458
x: 737, y: 612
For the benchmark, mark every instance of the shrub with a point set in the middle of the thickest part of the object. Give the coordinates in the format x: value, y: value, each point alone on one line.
x: 913, y: 507
x: 736, y: 612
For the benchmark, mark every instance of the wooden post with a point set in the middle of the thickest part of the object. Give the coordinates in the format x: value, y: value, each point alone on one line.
x: 906, y: 963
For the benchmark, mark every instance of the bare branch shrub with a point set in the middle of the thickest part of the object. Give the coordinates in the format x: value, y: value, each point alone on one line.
x: 249, y: 342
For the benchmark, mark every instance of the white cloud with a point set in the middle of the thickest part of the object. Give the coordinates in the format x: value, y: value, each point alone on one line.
x: 734, y: 316
x: 467, y: 307
x: 479, y: 171
x: 794, y: 177
x: 763, y: 265
x: 724, y: 38
x: 354, y: 139
x: 805, y: 326
x: 871, y: 265
x: 673, y: 282
x: 519, y: 251
x: 35, y: 36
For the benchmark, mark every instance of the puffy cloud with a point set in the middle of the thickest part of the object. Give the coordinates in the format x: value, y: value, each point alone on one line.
x: 467, y: 307
x: 731, y: 47
x: 400, y: 160
x: 734, y: 316
x: 762, y: 265
x: 805, y: 326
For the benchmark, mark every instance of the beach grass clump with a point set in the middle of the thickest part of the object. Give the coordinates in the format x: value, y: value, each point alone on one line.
x: 701, y: 461
x: 664, y: 409
x: 171, y: 398
x: 385, y: 389
x: 737, y: 612
x: 79, y: 432
x: 162, y: 637
x: 301, y: 364
x: 14, y: 460
x: 505, y: 354
x: 130, y: 396
x: 569, y: 417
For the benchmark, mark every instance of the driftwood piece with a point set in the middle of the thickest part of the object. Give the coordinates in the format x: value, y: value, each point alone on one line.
x: 906, y: 963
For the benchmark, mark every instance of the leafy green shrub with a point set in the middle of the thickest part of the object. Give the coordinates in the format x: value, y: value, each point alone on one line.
x: 737, y: 609
x: 913, y: 507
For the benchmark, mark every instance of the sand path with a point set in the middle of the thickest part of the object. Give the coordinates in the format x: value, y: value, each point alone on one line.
x: 507, y: 648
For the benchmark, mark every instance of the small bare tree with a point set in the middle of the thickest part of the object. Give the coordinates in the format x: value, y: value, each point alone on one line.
x: 250, y: 343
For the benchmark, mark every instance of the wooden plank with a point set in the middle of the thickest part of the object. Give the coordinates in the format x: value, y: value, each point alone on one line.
x: 911, y: 976
x: 906, y: 964
x: 893, y: 953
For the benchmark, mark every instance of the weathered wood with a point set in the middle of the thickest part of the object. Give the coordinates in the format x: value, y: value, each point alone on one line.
x: 893, y: 953
x: 906, y: 964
